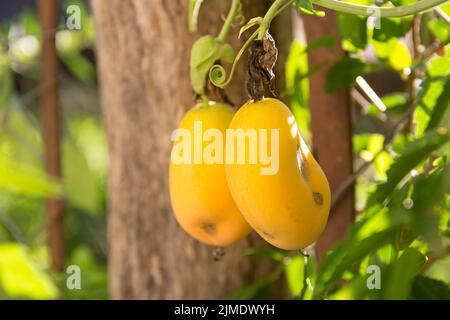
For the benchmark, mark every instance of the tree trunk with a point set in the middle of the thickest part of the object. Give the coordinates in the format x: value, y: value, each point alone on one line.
x: 143, y: 50
x: 331, y: 130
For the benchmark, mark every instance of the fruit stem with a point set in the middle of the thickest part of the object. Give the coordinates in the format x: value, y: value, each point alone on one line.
x: 273, y: 11
x: 235, y: 4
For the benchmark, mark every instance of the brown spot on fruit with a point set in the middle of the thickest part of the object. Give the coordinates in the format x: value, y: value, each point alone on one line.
x: 209, y: 228
x: 268, y: 235
x: 318, y: 198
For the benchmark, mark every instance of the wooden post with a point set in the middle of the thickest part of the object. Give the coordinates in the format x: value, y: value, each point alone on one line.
x: 48, y: 15
x: 331, y: 130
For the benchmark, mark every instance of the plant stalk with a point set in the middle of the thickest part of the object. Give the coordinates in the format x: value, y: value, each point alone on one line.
x: 402, y: 11
x: 228, y: 22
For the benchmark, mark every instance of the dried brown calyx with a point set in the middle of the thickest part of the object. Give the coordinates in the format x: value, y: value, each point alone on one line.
x: 262, y: 58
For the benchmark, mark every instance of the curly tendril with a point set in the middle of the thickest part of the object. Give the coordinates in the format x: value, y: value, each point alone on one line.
x: 217, y: 73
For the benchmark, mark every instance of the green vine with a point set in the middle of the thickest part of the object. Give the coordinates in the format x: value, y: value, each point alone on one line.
x: 217, y: 73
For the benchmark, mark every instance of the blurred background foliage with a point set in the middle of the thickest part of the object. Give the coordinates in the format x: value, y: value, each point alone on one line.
x: 402, y: 198
x: 24, y: 260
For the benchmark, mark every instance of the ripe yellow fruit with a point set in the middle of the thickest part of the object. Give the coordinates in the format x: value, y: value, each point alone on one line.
x: 289, y: 209
x: 199, y: 193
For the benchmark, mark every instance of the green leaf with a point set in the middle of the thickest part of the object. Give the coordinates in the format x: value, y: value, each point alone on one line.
x: 344, y: 73
x: 429, y: 191
x: 297, y: 86
x: 434, y: 96
x: 425, y: 288
x: 271, y: 253
x: 414, y: 153
x: 396, y: 103
x: 326, y: 41
x: 193, y: 10
x: 294, y: 271
x: 399, y: 276
x: 80, y: 185
x: 305, y: 6
x: 391, y: 28
x: 21, y: 276
x: 440, y: 30
x: 204, y: 54
x: 255, y: 291
x: 353, y: 31
x: 399, y: 57
x: 22, y: 178
x: 80, y: 67
x: 347, y: 255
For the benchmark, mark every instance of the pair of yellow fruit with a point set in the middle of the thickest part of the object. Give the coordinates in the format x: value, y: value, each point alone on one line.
x: 217, y: 203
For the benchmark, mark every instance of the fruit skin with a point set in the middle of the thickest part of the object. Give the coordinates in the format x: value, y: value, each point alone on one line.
x: 199, y: 193
x: 289, y: 209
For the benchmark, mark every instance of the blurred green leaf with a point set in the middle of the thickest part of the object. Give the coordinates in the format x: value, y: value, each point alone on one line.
x: 397, y: 279
x: 347, y: 255
x: 297, y: 85
x: 294, y: 271
x: 414, y: 153
x: 30, y: 24
x: 440, y: 30
x: 21, y: 277
x: 353, y: 31
x: 434, y: 96
x: 255, y: 291
x: 399, y: 56
x: 396, y: 103
x: 344, y: 73
x: 392, y: 28
x: 429, y: 289
x: 325, y: 41
x: 80, y: 184
x: 305, y: 6
x: 271, y: 253
x: 79, y: 66
x: 24, y: 179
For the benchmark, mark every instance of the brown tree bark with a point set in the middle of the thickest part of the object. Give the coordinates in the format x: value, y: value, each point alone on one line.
x: 331, y: 130
x: 143, y: 49
x: 51, y: 131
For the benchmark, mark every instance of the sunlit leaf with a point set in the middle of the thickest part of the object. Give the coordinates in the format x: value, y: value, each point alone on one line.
x: 413, y: 154
x: 297, y: 86
x: 21, y: 276
x: 399, y: 56
x: 294, y: 271
x: 305, y: 6
x: 440, y: 30
x: 353, y: 31
x: 434, y: 96
x: 22, y: 178
x: 398, y: 278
